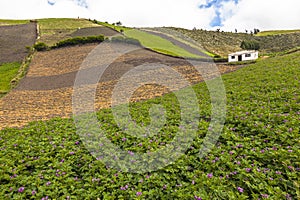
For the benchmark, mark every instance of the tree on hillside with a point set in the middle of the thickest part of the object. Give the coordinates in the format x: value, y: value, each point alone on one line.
x: 119, y: 23
x: 256, y: 31
x: 250, y: 45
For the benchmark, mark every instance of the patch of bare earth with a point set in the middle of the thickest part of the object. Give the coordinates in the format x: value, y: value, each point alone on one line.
x: 47, y: 90
x: 94, y: 31
x: 13, y: 41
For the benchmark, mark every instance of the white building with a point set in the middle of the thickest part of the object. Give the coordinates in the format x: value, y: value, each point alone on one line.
x: 243, y: 56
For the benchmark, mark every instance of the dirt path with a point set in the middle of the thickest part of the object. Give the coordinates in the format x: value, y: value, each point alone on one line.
x: 46, y: 91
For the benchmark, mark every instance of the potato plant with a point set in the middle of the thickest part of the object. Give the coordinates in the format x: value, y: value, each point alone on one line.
x: 256, y: 157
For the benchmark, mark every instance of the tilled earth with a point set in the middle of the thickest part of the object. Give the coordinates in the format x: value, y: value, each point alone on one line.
x: 46, y: 91
x: 94, y: 31
x: 13, y: 41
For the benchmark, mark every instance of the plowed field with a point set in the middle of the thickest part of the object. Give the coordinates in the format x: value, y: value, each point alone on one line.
x: 46, y: 91
x: 13, y: 41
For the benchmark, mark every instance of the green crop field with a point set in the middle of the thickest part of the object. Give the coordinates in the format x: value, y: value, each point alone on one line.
x: 276, y: 32
x: 159, y: 44
x: 153, y: 42
x: 4, y: 22
x: 256, y: 157
x: 8, y: 71
x: 55, y: 29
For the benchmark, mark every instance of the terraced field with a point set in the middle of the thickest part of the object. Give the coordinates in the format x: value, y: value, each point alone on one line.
x: 46, y: 91
x: 256, y: 155
x: 175, y: 41
x: 13, y: 41
x: 94, y: 31
x: 55, y: 30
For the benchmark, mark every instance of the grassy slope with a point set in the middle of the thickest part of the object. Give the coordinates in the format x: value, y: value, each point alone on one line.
x: 276, y: 32
x: 117, y: 28
x: 258, y: 150
x: 220, y: 43
x: 159, y: 44
x: 8, y: 71
x: 181, y: 38
x: 54, y: 30
x: 153, y: 42
x: 4, y: 22
x: 223, y: 43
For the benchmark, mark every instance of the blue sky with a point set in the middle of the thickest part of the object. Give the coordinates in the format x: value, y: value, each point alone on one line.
x: 216, y: 5
x: 207, y: 14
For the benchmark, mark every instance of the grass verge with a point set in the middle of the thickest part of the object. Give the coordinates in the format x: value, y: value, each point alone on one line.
x: 8, y: 71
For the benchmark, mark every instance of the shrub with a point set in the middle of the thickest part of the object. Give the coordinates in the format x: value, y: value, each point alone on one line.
x: 250, y: 45
x: 79, y: 40
x: 40, y: 46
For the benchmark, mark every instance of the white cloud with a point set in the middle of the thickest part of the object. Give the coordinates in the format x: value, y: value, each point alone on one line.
x: 248, y: 14
x: 31, y: 9
x: 131, y: 12
x: 152, y: 13
x: 263, y: 14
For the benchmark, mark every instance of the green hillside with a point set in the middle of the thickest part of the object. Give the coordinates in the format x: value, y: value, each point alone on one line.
x: 223, y: 43
x: 153, y: 42
x: 5, y: 22
x: 159, y: 44
x: 257, y: 155
x: 277, y: 32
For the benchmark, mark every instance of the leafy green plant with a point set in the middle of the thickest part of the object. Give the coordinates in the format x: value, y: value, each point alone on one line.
x: 79, y: 40
x: 256, y: 157
x: 40, y: 46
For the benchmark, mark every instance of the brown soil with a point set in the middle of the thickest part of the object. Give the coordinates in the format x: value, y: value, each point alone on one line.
x: 59, y: 61
x: 46, y: 91
x: 94, y: 31
x: 13, y: 41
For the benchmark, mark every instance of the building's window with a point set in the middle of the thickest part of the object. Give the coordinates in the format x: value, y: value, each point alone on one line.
x: 232, y: 57
x: 248, y: 55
